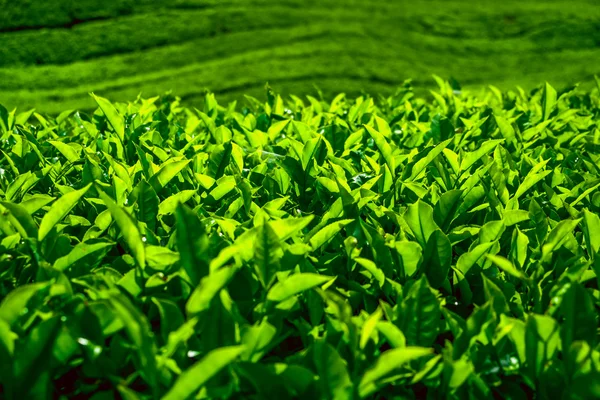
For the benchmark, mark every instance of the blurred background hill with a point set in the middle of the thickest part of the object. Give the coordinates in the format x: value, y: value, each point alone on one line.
x: 53, y: 53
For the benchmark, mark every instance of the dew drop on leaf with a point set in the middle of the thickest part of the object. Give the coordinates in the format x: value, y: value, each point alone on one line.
x: 192, y: 354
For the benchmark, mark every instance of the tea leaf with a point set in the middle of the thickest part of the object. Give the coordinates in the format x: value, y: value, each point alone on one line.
x: 195, y: 377
x: 129, y: 230
x: 295, y: 284
x: 386, y: 363
x: 59, y: 209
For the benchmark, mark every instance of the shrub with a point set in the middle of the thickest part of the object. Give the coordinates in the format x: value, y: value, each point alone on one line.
x: 402, y: 248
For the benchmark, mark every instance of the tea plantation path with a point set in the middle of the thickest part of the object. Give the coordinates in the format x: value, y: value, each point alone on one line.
x: 52, y: 57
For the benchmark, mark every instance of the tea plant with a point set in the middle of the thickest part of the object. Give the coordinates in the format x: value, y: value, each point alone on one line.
x: 395, y: 248
x: 54, y: 53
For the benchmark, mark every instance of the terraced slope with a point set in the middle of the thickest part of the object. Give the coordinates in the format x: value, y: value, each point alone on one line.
x: 52, y: 55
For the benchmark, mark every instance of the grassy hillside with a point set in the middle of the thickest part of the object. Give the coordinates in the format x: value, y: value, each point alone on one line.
x: 54, y: 53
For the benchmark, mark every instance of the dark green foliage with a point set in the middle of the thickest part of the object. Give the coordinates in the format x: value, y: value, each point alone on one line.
x: 28, y: 14
x: 396, y: 248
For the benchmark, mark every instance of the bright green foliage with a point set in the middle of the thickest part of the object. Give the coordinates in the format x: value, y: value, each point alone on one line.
x: 397, y: 249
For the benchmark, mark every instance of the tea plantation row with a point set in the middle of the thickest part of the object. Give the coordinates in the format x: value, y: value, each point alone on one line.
x: 384, y: 249
x: 54, y: 52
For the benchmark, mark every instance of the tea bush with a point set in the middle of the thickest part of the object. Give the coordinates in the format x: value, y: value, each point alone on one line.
x: 396, y: 248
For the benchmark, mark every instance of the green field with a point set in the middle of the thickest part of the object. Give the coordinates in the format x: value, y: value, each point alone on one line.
x: 52, y: 54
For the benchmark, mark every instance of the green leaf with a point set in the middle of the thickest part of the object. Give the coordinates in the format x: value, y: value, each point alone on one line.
x: 196, y: 376
x: 219, y: 160
x: 267, y: 254
x: 7, y: 343
x: 386, y: 364
x: 548, y: 101
x: 392, y: 333
x: 7, y: 348
x: 147, y: 204
x: 383, y: 127
x: 35, y: 357
x: 369, y: 327
x: 129, y: 230
x: 446, y: 207
x: 507, y: 266
x: 420, y: 313
x: 21, y: 220
x: 206, y: 291
x: 372, y: 268
x: 265, y: 380
x: 411, y: 254
x: 327, y: 233
x: 541, y: 341
x: 506, y: 128
x: 554, y: 240
x: 580, y: 319
x: 179, y: 336
x: 461, y: 371
x: 419, y: 218
x: 539, y: 220
x: 334, y: 378
x: 80, y: 251
x: 384, y: 147
x: 139, y: 332
x: 166, y: 173
x: 16, y: 301
x: 518, y: 250
x: 59, y: 209
x: 21, y: 185
x: 314, y: 149
x: 495, y: 296
x: 276, y: 128
x: 284, y: 228
x: 257, y: 339
x: 531, y: 179
x: 224, y: 185
x: 513, y: 217
x: 438, y: 257
x: 170, y: 204
x: 591, y: 230
x: 171, y: 317
x: 160, y: 258
x: 36, y: 202
x: 4, y: 119
x: 192, y: 244
x: 468, y: 260
x: 491, y: 231
x: 115, y: 119
x: 288, y: 227
x: 425, y: 161
x: 295, y: 284
x: 67, y: 151
x: 471, y: 158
